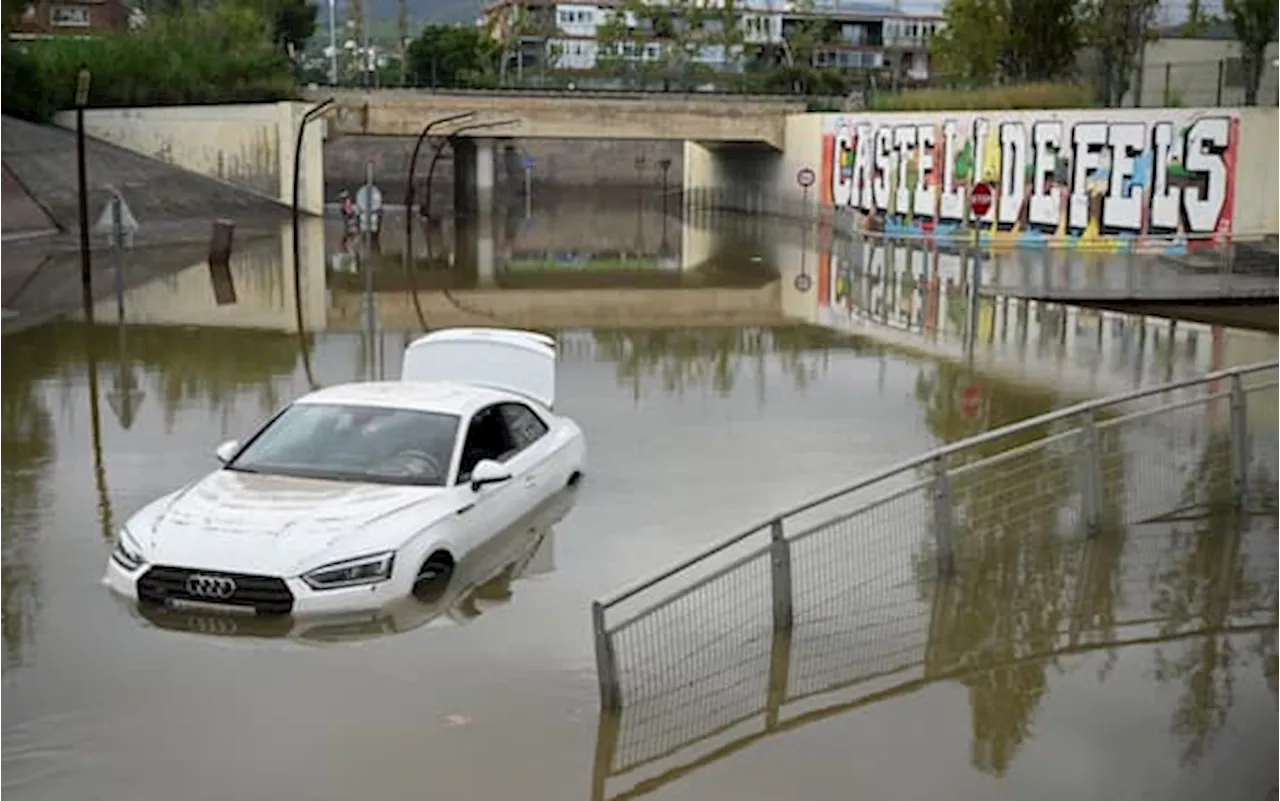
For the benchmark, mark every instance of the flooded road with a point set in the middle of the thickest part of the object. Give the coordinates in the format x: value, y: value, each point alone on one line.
x: 710, y: 398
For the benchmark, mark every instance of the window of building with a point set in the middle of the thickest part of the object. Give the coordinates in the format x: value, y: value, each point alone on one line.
x: 69, y: 16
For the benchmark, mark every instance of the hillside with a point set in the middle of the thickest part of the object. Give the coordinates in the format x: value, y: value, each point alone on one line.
x: 424, y: 12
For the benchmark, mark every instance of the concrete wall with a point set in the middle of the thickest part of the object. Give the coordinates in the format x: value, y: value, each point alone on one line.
x: 1224, y: 148
x: 556, y: 163
x: 249, y: 146
x: 570, y: 116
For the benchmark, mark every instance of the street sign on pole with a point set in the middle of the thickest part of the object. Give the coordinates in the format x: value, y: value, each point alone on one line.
x: 528, y: 162
x: 369, y: 204
x: 118, y: 234
x: 981, y: 199
x: 805, y: 177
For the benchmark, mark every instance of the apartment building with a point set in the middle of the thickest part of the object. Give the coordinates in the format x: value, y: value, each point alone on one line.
x: 71, y: 17
x: 852, y: 36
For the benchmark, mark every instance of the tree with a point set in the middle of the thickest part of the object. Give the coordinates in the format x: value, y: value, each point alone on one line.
x: 989, y: 41
x: 1118, y: 30
x: 1041, y: 40
x: 1255, y: 23
x: 968, y: 49
x: 449, y: 55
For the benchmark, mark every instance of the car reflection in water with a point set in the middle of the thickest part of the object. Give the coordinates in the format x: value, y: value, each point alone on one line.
x: 482, y: 580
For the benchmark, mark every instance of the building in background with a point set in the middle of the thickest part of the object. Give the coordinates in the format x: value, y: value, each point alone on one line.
x: 71, y: 17
x: 856, y: 37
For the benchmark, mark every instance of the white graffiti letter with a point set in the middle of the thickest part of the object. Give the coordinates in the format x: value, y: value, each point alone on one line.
x: 904, y: 141
x: 952, y: 198
x: 1013, y: 170
x: 1207, y: 141
x: 841, y: 186
x: 1166, y: 200
x: 1087, y: 141
x: 884, y: 160
x: 1120, y: 210
x: 1045, y: 205
x: 927, y: 179
x: 863, y: 168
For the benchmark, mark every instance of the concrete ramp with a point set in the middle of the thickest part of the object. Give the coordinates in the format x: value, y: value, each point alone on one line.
x: 23, y: 216
x: 42, y: 160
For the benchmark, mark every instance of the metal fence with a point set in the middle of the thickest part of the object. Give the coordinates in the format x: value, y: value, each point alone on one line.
x: 840, y: 578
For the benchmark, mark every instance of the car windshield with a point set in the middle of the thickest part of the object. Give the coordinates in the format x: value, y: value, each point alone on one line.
x: 354, y: 443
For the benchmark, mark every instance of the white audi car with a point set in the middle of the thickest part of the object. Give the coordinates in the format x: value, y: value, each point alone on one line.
x: 350, y: 497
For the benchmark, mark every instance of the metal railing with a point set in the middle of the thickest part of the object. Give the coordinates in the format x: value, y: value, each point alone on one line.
x: 1087, y: 468
x: 1014, y: 619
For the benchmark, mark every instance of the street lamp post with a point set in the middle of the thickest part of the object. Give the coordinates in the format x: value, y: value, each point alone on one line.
x: 86, y: 264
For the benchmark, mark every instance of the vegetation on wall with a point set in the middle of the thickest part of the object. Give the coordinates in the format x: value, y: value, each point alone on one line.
x: 227, y: 54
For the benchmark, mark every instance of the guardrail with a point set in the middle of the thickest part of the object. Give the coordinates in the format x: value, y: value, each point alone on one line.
x: 1003, y: 626
x: 1086, y: 468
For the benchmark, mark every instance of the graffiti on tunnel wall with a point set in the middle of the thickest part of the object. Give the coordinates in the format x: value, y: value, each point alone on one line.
x: 1153, y: 179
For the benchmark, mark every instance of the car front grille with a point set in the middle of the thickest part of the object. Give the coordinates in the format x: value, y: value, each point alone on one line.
x: 268, y: 595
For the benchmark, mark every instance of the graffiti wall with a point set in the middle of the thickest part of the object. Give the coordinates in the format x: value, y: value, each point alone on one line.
x: 1156, y: 179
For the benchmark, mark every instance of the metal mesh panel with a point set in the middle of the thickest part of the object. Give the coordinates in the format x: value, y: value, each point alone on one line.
x: 855, y: 608
x: 694, y: 664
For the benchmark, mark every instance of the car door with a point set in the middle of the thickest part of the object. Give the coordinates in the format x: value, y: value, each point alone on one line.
x: 494, y: 508
x: 529, y: 461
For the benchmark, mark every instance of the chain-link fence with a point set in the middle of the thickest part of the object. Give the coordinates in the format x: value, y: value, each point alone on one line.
x: 1084, y: 527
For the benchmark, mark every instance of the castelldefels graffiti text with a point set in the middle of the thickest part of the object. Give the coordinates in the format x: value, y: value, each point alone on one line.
x: 1162, y: 174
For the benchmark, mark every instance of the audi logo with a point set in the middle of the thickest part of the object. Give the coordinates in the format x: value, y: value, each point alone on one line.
x: 203, y: 586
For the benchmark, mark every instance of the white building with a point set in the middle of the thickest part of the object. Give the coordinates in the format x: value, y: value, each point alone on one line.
x: 857, y: 36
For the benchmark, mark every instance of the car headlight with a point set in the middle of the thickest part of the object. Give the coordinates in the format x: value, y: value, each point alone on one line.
x: 127, y: 553
x: 352, y: 572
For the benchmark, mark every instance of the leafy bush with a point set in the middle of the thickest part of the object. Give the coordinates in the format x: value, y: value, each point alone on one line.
x: 221, y: 55
x: 23, y: 91
x: 995, y: 98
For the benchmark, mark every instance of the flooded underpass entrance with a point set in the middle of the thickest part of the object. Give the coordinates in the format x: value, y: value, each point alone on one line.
x: 713, y: 391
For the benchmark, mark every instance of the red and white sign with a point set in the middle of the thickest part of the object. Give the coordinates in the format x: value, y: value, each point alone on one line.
x: 805, y: 177
x: 981, y: 199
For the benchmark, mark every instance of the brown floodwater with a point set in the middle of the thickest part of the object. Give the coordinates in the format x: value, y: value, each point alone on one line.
x: 713, y: 393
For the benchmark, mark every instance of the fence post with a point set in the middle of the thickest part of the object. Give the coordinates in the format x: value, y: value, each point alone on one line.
x: 606, y: 661
x: 1091, y: 476
x: 780, y: 576
x: 942, y: 516
x: 1222, y: 65
x: 1239, y: 442
x: 1168, y: 74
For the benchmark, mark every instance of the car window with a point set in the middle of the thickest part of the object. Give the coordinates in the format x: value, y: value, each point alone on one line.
x: 354, y: 443
x: 487, y: 438
x: 525, y: 426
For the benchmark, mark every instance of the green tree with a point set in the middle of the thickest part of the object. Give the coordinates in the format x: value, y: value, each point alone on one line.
x: 1041, y: 40
x: 968, y: 49
x: 448, y: 55
x: 1255, y: 24
x: 1118, y: 30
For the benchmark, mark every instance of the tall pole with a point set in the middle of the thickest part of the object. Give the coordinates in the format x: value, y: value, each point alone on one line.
x: 333, y: 42
x: 86, y: 264
x: 408, y: 189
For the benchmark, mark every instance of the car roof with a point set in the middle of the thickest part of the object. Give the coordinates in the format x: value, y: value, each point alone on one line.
x: 443, y: 397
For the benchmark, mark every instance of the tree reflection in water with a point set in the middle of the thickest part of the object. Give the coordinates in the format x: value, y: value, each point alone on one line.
x: 685, y: 358
x: 1023, y: 583
x: 1212, y: 579
x: 26, y: 452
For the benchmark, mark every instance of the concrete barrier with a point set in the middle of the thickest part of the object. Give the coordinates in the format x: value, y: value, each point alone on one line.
x: 248, y: 145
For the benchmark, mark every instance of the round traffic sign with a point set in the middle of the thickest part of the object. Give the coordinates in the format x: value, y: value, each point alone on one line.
x: 805, y: 177
x: 980, y: 200
x: 803, y: 282
x: 369, y: 199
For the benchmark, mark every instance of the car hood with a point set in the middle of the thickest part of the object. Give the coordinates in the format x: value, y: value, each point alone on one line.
x: 279, y: 525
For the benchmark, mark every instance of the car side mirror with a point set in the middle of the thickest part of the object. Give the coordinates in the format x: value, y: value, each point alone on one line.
x: 226, y: 450
x: 487, y: 471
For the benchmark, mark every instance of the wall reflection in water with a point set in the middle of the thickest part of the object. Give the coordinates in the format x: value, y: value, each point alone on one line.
x: 1196, y: 598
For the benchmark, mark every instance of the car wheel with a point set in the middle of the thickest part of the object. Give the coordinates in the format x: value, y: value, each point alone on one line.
x: 433, y: 577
